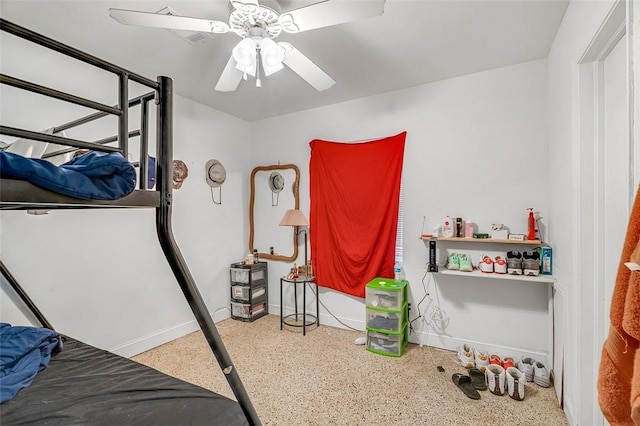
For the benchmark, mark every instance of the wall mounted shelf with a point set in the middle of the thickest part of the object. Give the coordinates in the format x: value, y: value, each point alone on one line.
x: 549, y: 279
x: 484, y: 240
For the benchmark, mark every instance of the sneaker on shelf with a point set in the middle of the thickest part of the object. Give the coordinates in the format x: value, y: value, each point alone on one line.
x: 453, y: 262
x: 514, y: 262
x: 465, y: 356
x: 525, y: 365
x: 531, y: 263
x: 515, y: 383
x: 541, y: 375
x: 465, y: 263
x: 500, y: 265
x: 486, y: 264
x: 495, y: 359
x: 481, y: 359
x: 508, y: 362
x: 496, y: 378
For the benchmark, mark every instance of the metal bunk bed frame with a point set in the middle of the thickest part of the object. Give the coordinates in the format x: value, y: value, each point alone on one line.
x: 18, y: 195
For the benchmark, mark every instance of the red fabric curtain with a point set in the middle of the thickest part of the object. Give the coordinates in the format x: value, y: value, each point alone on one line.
x: 354, y: 191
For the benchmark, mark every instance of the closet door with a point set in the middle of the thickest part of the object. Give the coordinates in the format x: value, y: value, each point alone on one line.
x: 616, y: 176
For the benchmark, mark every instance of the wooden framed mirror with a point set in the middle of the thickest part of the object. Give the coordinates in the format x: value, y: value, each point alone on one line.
x: 274, y: 190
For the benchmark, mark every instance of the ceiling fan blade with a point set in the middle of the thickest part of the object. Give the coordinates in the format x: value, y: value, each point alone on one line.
x: 230, y: 77
x: 250, y: 7
x: 328, y: 13
x: 157, y: 20
x: 306, y: 69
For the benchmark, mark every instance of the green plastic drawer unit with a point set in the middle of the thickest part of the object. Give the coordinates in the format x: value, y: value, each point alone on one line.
x: 388, y: 344
x: 386, y: 293
x: 386, y: 320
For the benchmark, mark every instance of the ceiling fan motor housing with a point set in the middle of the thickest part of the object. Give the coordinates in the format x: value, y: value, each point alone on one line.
x: 264, y: 19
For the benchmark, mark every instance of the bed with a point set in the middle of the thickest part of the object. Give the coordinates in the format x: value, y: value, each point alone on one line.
x: 83, y: 384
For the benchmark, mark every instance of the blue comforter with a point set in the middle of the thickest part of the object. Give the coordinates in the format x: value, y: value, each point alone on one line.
x: 92, y: 176
x: 23, y: 352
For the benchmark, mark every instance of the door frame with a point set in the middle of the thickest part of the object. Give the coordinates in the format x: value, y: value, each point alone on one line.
x: 589, y: 150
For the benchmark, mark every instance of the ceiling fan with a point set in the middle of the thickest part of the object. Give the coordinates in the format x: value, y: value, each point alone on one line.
x: 259, y: 23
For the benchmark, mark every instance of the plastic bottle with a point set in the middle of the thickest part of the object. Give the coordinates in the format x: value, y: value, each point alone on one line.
x: 255, y: 256
x: 398, y: 273
x: 447, y: 227
x: 531, y: 235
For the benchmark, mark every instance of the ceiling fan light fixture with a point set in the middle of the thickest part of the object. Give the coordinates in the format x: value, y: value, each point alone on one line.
x: 271, y: 55
x: 245, y: 53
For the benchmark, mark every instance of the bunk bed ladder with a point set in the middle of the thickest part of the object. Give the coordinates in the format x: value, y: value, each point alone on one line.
x: 23, y: 296
x: 174, y: 257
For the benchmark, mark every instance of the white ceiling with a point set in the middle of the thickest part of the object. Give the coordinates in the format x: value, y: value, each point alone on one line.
x: 412, y: 43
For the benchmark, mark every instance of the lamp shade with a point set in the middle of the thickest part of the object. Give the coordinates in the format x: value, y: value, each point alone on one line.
x: 294, y: 218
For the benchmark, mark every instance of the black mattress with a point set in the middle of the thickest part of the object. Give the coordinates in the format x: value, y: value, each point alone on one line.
x: 84, y: 385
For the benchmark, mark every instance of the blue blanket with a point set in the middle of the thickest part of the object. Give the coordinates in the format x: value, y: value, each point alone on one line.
x: 92, y: 176
x: 23, y: 352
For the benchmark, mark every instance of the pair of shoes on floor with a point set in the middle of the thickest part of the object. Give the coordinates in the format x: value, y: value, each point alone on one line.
x: 505, y: 362
x: 510, y: 381
x: 535, y: 371
x: 489, y: 265
x: 459, y: 262
x: 472, y: 358
x: 526, y: 263
x: 470, y: 384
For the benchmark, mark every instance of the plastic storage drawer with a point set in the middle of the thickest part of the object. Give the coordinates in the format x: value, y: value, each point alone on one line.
x: 247, y: 275
x: 248, y: 312
x: 386, y: 293
x: 241, y: 292
x: 387, y: 344
x: 385, y: 320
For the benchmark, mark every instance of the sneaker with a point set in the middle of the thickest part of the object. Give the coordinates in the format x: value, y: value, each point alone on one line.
x: 496, y: 377
x: 515, y: 383
x: 465, y: 263
x: 508, y: 362
x: 525, y: 365
x: 514, y: 263
x: 531, y: 263
x: 495, y: 359
x: 453, y: 262
x: 481, y: 359
x: 499, y: 265
x: 541, y: 376
x: 486, y: 264
x: 465, y: 356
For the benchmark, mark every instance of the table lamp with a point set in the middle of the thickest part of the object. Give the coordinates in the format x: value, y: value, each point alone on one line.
x: 296, y: 218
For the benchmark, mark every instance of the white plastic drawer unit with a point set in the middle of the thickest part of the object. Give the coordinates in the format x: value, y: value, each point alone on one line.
x: 241, y: 292
x: 241, y: 275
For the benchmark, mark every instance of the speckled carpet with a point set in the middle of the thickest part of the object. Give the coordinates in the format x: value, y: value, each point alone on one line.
x: 324, y: 379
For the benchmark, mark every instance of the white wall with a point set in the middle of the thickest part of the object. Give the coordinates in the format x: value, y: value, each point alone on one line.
x: 476, y: 148
x: 101, y: 277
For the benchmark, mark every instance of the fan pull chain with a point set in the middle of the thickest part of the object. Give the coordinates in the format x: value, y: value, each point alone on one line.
x: 258, y: 81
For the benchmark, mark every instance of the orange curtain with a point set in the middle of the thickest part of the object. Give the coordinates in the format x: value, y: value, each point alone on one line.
x: 354, y: 191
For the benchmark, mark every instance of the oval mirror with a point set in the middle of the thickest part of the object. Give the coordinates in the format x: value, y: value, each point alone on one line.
x: 274, y: 190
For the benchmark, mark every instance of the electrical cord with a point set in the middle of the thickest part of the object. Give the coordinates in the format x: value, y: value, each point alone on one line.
x: 331, y: 313
x: 437, y: 320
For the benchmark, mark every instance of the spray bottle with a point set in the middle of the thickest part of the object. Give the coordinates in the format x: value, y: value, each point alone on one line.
x: 531, y: 234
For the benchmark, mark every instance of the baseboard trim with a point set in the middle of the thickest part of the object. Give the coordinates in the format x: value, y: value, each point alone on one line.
x: 452, y: 344
x: 142, y: 344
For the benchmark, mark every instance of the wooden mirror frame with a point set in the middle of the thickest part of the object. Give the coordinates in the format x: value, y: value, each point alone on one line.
x: 296, y: 196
